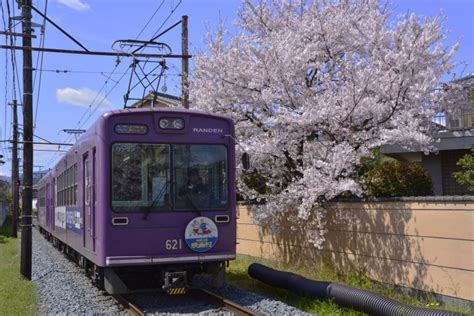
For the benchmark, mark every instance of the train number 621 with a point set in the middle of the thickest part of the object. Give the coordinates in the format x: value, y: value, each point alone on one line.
x: 173, y: 244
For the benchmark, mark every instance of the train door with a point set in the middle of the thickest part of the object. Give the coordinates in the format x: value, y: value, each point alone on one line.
x: 88, y: 175
x: 52, y: 201
x: 93, y: 199
x: 48, y: 208
x: 50, y: 205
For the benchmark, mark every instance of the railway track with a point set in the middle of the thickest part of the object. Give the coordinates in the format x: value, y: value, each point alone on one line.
x: 224, y: 304
x: 132, y: 308
x: 219, y: 303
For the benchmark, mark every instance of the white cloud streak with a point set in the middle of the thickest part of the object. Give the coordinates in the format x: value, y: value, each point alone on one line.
x: 4, y: 173
x: 83, y: 97
x: 75, y: 5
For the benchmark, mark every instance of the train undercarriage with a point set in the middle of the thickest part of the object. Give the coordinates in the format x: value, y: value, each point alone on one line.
x: 171, y: 278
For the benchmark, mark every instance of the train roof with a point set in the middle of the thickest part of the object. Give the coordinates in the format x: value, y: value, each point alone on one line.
x: 109, y: 114
x: 176, y: 110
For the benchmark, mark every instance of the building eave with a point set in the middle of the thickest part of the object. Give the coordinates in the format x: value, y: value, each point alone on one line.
x: 443, y: 140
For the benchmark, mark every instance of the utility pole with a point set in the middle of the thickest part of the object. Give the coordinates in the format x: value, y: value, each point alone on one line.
x: 15, y: 202
x: 26, y: 233
x: 184, y: 62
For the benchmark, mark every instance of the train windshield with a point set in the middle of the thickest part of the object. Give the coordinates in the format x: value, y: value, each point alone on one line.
x: 200, y: 173
x: 162, y: 177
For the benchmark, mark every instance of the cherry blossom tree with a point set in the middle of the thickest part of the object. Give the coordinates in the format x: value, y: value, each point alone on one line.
x: 314, y: 86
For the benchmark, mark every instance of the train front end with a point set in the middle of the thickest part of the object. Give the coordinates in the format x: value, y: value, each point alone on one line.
x: 168, y: 210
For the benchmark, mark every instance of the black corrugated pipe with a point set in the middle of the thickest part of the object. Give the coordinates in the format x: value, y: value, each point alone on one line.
x: 357, y: 299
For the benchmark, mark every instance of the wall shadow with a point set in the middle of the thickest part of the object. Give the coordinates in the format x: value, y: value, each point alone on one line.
x: 5, y: 230
x: 368, y: 238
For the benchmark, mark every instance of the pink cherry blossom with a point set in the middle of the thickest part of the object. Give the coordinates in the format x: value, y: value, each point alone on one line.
x: 314, y: 87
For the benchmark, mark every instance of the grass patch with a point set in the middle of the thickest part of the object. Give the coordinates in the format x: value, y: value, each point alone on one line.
x: 17, y: 295
x: 238, y: 276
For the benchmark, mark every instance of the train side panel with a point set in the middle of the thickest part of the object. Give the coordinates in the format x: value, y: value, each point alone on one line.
x: 146, y: 239
x: 78, y: 208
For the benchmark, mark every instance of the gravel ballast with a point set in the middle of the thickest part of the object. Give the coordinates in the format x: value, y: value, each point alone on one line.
x: 64, y: 289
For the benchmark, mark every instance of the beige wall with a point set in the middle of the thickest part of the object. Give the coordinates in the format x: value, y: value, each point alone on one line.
x: 427, y: 246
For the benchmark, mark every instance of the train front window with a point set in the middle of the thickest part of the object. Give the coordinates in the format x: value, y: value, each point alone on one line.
x: 140, y: 177
x: 200, y: 177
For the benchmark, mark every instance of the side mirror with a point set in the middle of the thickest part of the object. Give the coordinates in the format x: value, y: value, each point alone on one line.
x: 245, y: 161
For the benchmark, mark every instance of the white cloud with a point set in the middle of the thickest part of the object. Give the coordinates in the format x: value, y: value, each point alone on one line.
x: 5, y: 173
x: 44, y: 147
x: 83, y: 97
x: 75, y: 4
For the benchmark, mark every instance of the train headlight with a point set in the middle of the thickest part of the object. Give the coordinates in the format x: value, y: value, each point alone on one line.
x: 171, y: 123
x: 177, y: 124
x: 164, y: 123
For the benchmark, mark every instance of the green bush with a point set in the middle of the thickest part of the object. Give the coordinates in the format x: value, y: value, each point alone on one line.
x: 397, y: 178
x: 466, y: 176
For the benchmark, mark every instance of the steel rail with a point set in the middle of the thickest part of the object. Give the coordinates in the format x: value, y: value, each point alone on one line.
x: 132, y: 309
x: 227, y: 305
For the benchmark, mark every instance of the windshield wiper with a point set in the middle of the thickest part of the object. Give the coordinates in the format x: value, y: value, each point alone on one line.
x: 157, y: 198
x: 186, y: 195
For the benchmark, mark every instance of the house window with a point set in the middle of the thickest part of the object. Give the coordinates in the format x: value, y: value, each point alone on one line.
x: 449, y: 159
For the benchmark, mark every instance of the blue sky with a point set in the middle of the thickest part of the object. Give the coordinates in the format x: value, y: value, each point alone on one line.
x: 64, y: 98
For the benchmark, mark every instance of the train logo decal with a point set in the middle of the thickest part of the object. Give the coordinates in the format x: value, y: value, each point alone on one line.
x: 60, y: 217
x: 74, y: 221
x: 201, y: 234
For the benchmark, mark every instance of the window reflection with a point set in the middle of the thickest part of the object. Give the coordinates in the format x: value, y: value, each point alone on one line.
x: 200, y: 176
x: 141, y: 177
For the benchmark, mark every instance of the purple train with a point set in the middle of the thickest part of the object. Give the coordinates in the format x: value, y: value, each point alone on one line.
x: 145, y: 199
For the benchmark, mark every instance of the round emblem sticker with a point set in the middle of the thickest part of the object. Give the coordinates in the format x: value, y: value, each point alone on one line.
x: 201, y: 234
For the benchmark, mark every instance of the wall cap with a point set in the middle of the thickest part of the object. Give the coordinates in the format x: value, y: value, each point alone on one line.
x: 444, y: 198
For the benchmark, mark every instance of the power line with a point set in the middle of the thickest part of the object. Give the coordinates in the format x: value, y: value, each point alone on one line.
x: 103, y: 99
x: 81, y: 123
x: 80, y: 126
x: 97, y: 53
x: 155, y: 36
x: 149, y: 20
x: 13, y: 55
x: 4, y: 130
x: 59, y: 28
x: 42, y: 41
x: 70, y: 71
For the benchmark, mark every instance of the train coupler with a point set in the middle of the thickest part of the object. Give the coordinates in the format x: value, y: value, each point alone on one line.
x: 175, y: 283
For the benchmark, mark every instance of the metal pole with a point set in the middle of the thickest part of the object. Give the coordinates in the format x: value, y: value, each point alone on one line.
x: 15, y: 201
x: 184, y: 62
x: 27, y: 196
x: 81, y: 52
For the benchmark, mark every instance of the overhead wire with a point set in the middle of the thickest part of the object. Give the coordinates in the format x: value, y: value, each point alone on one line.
x: 150, y: 19
x: 9, y: 28
x: 70, y: 71
x: 40, y: 56
x: 156, y: 35
x: 147, y: 23
x: 167, y: 18
x: 80, y: 122
x: 6, y: 72
x: 13, y: 58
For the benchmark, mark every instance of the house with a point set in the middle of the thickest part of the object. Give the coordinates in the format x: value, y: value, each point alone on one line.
x: 454, y: 138
x: 4, y: 188
x: 157, y: 100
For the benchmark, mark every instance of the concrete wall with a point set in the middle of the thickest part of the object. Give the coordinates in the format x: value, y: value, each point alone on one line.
x: 427, y: 246
x: 3, y: 212
x: 432, y: 164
